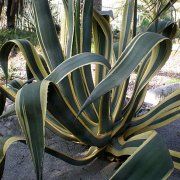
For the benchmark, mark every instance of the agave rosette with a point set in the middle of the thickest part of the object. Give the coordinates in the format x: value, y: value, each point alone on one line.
x: 67, y: 100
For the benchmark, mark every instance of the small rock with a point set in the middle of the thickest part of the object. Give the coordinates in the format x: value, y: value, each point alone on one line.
x: 154, y: 96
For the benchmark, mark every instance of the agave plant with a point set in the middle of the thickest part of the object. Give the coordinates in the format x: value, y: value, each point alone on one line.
x: 68, y: 99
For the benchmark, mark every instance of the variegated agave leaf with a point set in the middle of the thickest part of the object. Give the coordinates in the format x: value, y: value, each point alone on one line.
x: 67, y: 100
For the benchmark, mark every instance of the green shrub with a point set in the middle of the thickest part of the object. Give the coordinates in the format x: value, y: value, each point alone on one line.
x: 6, y: 35
x: 66, y: 99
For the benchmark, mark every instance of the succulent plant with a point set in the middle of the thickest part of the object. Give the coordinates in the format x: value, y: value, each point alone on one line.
x: 88, y: 107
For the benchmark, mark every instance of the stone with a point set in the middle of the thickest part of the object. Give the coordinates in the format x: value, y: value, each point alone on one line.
x: 154, y: 96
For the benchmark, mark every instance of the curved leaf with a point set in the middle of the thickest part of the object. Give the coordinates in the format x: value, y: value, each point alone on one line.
x: 151, y: 160
x: 32, y: 58
x: 176, y: 158
x: 84, y: 159
x: 74, y: 63
x: 5, y: 142
x: 30, y: 105
x: 164, y: 113
x: 144, y: 44
x: 47, y: 36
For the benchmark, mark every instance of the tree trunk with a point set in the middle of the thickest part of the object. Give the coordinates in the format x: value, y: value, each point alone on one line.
x: 98, y: 5
x: 11, y: 13
x: 1, y: 7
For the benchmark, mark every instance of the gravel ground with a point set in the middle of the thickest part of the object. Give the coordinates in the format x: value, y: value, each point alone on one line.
x: 18, y: 159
